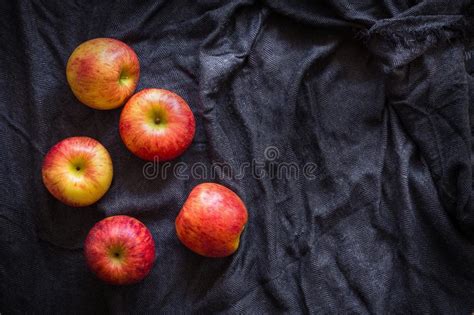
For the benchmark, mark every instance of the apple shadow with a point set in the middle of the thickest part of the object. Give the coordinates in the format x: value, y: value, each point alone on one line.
x: 65, y: 116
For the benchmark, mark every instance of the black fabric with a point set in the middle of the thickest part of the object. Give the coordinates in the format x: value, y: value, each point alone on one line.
x: 376, y: 93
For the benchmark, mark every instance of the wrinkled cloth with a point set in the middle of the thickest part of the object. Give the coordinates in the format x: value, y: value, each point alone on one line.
x: 377, y: 94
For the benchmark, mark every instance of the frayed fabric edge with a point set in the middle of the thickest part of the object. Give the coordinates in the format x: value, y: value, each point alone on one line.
x: 416, y: 33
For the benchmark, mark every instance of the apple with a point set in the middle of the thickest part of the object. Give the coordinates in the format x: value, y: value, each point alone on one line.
x: 103, y: 72
x: 211, y: 220
x: 120, y: 250
x: 78, y: 171
x: 157, y: 124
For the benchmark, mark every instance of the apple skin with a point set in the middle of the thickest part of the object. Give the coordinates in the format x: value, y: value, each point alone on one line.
x: 120, y: 250
x: 77, y: 171
x: 103, y: 73
x: 157, y: 124
x: 211, y: 220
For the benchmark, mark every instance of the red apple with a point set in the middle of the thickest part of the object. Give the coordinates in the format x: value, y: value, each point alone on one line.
x: 211, y: 220
x: 103, y: 72
x: 157, y: 124
x: 77, y: 171
x: 120, y: 250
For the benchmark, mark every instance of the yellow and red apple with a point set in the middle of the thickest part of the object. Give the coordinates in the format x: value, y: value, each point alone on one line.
x: 77, y: 171
x: 211, y: 220
x: 157, y: 124
x: 120, y: 250
x: 103, y: 72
